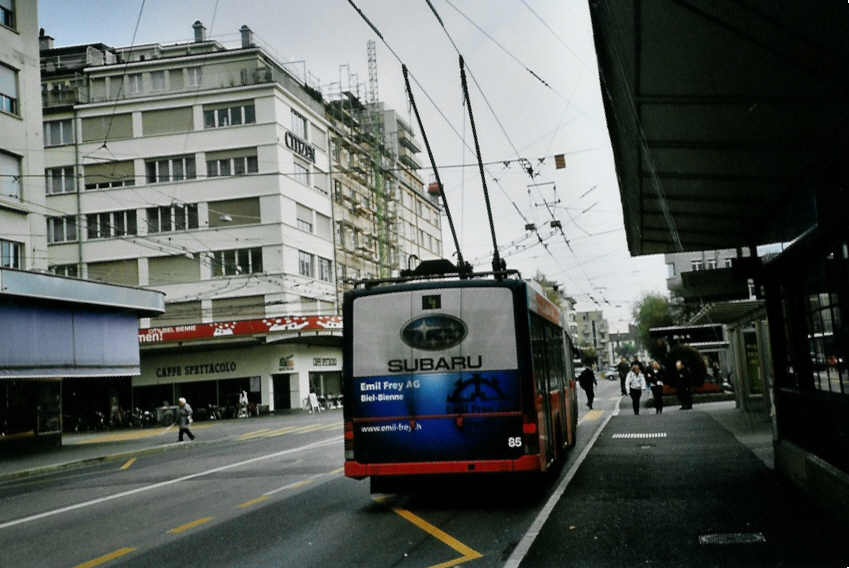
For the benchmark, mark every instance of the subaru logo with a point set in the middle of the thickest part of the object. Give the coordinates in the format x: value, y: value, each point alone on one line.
x: 434, y: 332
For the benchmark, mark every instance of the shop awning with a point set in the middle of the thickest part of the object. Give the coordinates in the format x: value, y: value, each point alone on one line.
x: 724, y: 117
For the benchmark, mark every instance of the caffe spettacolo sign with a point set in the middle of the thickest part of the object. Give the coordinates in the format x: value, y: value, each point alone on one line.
x: 155, y: 335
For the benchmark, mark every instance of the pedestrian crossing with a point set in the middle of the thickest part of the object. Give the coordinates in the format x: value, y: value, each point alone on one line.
x: 129, y: 435
x: 638, y: 435
x: 273, y: 432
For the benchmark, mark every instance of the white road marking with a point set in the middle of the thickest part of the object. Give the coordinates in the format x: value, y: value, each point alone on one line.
x: 530, y: 536
x: 84, y: 504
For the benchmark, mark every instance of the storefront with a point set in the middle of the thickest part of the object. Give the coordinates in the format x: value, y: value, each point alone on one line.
x: 276, y: 362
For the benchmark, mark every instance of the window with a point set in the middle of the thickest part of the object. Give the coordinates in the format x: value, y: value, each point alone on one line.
x: 710, y: 264
x: 306, y: 264
x: 299, y: 125
x: 107, y: 127
x: 157, y: 78
x: 325, y: 268
x: 162, y: 170
x: 166, y: 121
x: 7, y: 13
x: 8, y: 89
x: 728, y: 262
x: 195, y: 76
x: 320, y: 181
x: 70, y: 270
x: 239, y: 261
x: 696, y: 265
x: 135, y: 83
x: 111, y: 224
x: 11, y: 252
x: 62, y: 229
x: 670, y: 269
x: 59, y: 180
x: 172, y: 218
x: 111, y: 174
x: 10, y: 175
x: 305, y: 219
x: 318, y: 136
x: 58, y: 132
x: 226, y: 114
x: 221, y: 164
x: 302, y: 174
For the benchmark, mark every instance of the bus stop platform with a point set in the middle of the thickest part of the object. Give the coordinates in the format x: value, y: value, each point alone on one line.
x: 685, y: 488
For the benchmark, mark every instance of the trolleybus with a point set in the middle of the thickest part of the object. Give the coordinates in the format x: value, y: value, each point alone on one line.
x: 464, y: 376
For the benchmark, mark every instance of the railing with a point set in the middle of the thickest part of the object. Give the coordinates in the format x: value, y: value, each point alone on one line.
x: 61, y: 98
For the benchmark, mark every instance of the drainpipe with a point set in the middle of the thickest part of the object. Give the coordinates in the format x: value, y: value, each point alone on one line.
x: 78, y: 187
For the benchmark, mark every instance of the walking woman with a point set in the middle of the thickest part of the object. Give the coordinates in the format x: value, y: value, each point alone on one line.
x: 655, y: 380
x: 636, y: 383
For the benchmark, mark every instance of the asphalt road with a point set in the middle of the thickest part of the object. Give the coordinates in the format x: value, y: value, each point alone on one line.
x: 267, y: 497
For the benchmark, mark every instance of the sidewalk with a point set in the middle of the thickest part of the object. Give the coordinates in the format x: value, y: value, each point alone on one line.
x: 95, y: 447
x: 685, y: 488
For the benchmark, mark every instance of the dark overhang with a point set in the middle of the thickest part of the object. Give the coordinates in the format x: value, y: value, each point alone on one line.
x: 727, y: 118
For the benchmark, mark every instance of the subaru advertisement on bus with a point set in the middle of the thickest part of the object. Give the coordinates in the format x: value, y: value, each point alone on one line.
x: 435, y: 376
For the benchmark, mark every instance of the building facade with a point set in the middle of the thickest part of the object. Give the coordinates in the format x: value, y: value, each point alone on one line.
x: 593, y: 332
x: 23, y: 242
x: 207, y: 173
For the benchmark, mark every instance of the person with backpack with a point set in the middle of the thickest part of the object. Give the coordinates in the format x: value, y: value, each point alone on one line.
x: 588, y: 381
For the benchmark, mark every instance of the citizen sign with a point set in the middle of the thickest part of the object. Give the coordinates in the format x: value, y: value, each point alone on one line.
x: 434, y: 332
x: 299, y: 146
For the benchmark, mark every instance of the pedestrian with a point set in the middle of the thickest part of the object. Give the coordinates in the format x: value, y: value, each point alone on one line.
x: 622, y: 368
x: 684, y: 386
x: 184, y: 418
x: 654, y: 376
x: 636, y: 382
x: 588, y: 381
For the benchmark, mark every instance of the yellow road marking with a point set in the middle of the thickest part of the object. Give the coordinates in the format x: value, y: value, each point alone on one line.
x: 335, y: 471
x: 247, y: 435
x: 285, y: 487
x: 592, y: 415
x: 130, y: 462
x: 247, y: 504
x: 466, y: 552
x: 308, y: 428
x: 105, y: 558
x: 187, y: 526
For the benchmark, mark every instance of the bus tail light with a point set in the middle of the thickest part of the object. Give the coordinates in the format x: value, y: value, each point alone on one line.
x: 349, y: 440
x: 531, y: 437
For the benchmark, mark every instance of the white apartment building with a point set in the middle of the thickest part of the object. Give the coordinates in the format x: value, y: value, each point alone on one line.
x: 23, y: 242
x: 202, y: 172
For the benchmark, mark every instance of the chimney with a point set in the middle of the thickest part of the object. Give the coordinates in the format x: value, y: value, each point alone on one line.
x: 200, y: 31
x: 247, y: 37
x: 44, y: 41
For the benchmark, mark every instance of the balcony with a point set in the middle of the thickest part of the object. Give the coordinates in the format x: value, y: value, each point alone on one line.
x: 65, y: 97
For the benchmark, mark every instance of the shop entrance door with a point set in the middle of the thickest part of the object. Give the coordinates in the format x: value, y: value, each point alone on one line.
x: 282, y: 392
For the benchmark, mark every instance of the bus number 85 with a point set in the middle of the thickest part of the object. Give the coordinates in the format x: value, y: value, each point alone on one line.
x: 514, y: 442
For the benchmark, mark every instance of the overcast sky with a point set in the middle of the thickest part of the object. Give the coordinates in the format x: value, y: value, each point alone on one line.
x: 553, y: 38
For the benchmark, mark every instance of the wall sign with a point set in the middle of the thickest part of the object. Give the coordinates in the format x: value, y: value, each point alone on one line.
x: 324, y: 362
x: 287, y: 362
x: 199, y: 369
x: 242, y: 327
x: 299, y: 147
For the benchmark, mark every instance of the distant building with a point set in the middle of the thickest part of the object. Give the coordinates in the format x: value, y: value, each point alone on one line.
x: 593, y: 332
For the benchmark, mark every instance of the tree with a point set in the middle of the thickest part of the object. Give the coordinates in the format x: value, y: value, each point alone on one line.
x: 551, y: 289
x: 652, y: 311
x: 627, y: 350
x: 589, y: 357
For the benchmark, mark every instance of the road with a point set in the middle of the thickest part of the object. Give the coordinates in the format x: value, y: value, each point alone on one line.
x: 273, y: 496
